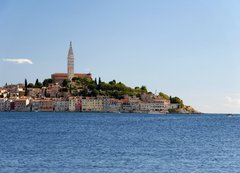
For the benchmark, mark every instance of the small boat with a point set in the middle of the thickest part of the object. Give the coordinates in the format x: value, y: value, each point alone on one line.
x: 229, y: 115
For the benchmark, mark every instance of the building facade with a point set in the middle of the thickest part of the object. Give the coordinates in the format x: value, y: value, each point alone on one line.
x: 21, y: 105
x: 61, y: 105
x: 91, y: 104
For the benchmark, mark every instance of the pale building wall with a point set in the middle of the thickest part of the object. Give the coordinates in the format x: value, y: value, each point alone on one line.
x: 61, y: 105
x: 21, y: 105
x: 92, y: 104
x: 72, y: 104
x: 2, y: 104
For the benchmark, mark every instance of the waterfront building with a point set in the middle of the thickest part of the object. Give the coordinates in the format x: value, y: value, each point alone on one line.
x: 78, y: 104
x: 75, y: 104
x: 61, y: 105
x: 157, y: 104
x: 43, y: 105
x: 46, y: 105
x: 8, y: 105
x: 21, y: 105
x: 130, y: 104
x: 131, y: 107
x: 152, y: 107
x: 35, y: 105
x: 112, y: 105
x: 71, y: 104
x: 92, y: 104
x: 3, y: 104
x: 145, y: 107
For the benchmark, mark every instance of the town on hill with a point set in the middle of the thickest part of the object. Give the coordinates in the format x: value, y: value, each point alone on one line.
x: 78, y: 92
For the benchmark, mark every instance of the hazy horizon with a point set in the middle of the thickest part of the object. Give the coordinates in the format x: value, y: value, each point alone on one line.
x: 183, y: 48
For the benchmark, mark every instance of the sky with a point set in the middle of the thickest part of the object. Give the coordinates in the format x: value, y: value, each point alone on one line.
x: 186, y: 48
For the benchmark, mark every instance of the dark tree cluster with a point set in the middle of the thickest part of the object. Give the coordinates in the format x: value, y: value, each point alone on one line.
x: 113, y: 89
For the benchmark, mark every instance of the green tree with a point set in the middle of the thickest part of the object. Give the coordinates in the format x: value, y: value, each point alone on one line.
x: 95, y: 81
x: 84, y: 92
x: 94, y: 93
x: 113, y: 82
x: 163, y: 95
x: 46, y: 82
x: 26, y: 83
x: 99, y: 81
x: 74, y: 79
x: 144, y: 89
x: 30, y: 85
x: 65, y: 82
x: 177, y: 100
x: 38, y: 84
x: 26, y: 90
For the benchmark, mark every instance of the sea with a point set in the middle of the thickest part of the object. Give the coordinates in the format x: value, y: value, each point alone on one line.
x: 118, y: 143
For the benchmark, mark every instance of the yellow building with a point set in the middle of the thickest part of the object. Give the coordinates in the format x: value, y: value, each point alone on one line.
x: 92, y: 104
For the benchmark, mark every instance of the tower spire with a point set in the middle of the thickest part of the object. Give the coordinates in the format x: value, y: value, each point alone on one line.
x: 70, y: 60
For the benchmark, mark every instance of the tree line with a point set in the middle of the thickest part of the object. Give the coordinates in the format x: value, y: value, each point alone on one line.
x: 92, y: 88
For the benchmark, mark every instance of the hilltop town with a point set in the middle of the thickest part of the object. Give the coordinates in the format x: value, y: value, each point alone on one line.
x: 79, y: 92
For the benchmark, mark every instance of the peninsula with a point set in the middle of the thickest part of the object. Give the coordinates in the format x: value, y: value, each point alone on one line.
x: 79, y: 92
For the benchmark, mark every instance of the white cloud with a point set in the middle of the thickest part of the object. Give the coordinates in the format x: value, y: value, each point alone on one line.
x: 19, y: 61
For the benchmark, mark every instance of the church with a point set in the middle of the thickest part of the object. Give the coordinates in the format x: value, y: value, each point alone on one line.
x: 59, y: 77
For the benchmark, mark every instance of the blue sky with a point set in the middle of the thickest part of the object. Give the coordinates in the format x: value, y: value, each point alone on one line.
x: 184, y: 48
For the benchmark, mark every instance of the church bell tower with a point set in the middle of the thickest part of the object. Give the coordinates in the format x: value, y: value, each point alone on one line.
x: 70, y: 63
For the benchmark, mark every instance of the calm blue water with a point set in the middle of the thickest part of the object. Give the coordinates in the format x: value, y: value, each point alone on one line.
x: 108, y: 143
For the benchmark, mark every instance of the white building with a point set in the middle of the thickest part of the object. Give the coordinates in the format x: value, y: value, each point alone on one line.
x: 160, y: 106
